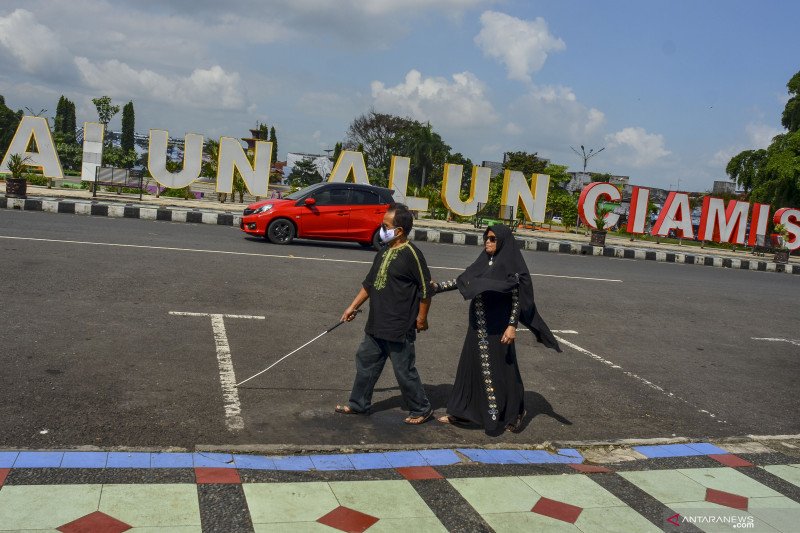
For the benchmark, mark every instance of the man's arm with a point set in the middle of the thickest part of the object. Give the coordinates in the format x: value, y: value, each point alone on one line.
x: 350, y: 313
x: 422, y: 316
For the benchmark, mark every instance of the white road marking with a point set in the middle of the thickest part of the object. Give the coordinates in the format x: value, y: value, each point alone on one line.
x: 646, y: 382
x: 770, y: 339
x: 227, y: 377
x: 251, y: 317
x: 250, y: 254
x: 562, y: 331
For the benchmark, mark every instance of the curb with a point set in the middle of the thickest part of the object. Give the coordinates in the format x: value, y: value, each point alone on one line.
x: 196, y: 216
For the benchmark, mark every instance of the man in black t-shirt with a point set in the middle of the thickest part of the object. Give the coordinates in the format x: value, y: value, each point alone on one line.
x: 397, y: 286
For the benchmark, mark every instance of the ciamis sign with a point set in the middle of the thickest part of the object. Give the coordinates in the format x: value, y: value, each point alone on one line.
x: 718, y: 223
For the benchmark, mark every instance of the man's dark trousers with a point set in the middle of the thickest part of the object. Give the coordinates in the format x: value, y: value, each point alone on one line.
x: 370, y: 359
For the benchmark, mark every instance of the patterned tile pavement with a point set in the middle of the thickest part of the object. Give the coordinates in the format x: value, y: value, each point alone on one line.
x: 683, y: 487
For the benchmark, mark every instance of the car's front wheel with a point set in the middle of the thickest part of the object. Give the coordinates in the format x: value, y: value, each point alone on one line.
x: 280, y: 231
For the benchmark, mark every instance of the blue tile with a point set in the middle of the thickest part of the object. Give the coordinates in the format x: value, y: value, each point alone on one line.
x: 7, y: 459
x: 401, y: 459
x: 707, y: 448
x: 331, y: 462
x: 651, y: 452
x: 369, y: 461
x: 475, y: 454
x: 128, y: 460
x: 254, y: 462
x: 440, y: 457
x: 538, y: 456
x: 680, y: 450
x: 84, y: 460
x: 569, y: 455
x: 666, y: 450
x: 213, y: 460
x: 502, y: 457
x: 300, y: 462
x: 38, y: 459
x: 171, y: 460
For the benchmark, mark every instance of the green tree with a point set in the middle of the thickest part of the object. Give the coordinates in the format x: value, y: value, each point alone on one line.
x: 773, y: 175
x: 58, y: 122
x: 791, y: 113
x: 105, y: 111
x: 114, y: 156
x: 378, y: 134
x: 526, y: 163
x: 9, y: 120
x: 744, y: 168
x: 337, y: 151
x: 423, y: 144
x: 304, y: 173
x: 128, y: 141
x: 274, y: 140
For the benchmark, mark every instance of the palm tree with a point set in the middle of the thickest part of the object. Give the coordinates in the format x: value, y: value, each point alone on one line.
x: 423, y: 142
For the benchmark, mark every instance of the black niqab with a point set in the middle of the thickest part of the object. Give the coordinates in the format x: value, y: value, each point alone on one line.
x: 507, y: 271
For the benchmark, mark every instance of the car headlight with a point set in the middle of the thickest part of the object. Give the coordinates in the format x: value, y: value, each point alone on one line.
x: 263, y: 209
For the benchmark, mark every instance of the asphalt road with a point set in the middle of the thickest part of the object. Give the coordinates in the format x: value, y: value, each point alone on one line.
x: 94, y: 354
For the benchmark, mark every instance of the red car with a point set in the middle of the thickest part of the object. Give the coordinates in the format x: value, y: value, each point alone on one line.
x: 327, y: 211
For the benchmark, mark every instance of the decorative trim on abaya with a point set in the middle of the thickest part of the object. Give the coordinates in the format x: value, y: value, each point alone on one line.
x: 483, y: 349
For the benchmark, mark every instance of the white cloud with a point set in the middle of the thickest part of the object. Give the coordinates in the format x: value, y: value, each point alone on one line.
x: 553, y: 117
x: 636, y: 147
x: 760, y: 134
x: 35, y: 47
x: 521, y: 45
x: 512, y: 129
x: 206, y: 88
x: 459, y: 103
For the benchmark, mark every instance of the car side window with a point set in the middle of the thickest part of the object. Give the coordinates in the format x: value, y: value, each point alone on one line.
x: 332, y: 196
x: 361, y: 197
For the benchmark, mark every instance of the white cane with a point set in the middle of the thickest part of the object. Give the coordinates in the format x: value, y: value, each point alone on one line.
x: 297, y: 349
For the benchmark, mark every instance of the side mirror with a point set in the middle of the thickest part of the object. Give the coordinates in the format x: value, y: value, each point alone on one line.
x: 309, y: 202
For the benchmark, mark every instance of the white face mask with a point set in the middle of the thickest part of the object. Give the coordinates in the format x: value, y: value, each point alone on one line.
x: 387, y: 235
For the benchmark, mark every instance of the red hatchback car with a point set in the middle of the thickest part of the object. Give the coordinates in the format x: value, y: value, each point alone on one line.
x: 326, y: 211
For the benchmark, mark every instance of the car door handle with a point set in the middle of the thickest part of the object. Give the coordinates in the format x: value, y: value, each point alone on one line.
x: 341, y: 214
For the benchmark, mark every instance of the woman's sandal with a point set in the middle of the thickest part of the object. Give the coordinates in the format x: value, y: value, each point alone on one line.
x: 421, y: 419
x: 516, y: 427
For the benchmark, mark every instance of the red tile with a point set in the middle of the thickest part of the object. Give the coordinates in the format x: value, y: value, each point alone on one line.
x: 346, y: 519
x: 728, y: 459
x: 205, y: 475
x: 3, y: 474
x: 727, y: 499
x: 591, y: 469
x: 419, y: 472
x: 558, y: 510
x: 95, y: 522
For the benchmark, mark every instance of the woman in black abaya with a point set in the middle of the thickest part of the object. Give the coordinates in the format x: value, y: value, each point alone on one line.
x: 488, y: 388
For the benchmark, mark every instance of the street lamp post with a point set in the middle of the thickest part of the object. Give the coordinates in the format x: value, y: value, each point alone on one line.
x: 586, y: 156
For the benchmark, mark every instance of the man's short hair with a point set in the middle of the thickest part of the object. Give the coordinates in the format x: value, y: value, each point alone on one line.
x: 402, y: 218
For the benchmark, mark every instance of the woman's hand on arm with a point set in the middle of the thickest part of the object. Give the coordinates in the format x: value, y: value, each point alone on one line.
x: 509, y: 335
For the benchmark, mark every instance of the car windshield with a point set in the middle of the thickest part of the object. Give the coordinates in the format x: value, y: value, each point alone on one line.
x: 296, y: 195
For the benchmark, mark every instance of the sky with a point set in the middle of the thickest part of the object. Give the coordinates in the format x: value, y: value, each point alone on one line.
x: 670, y: 88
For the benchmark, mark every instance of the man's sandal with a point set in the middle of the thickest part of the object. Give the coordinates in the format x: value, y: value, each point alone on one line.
x: 421, y: 419
x: 346, y: 410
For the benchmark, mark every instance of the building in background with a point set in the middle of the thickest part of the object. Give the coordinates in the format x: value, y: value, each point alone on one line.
x: 724, y: 187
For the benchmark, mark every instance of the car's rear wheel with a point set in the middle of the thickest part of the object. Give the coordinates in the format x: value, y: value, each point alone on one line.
x: 280, y: 231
